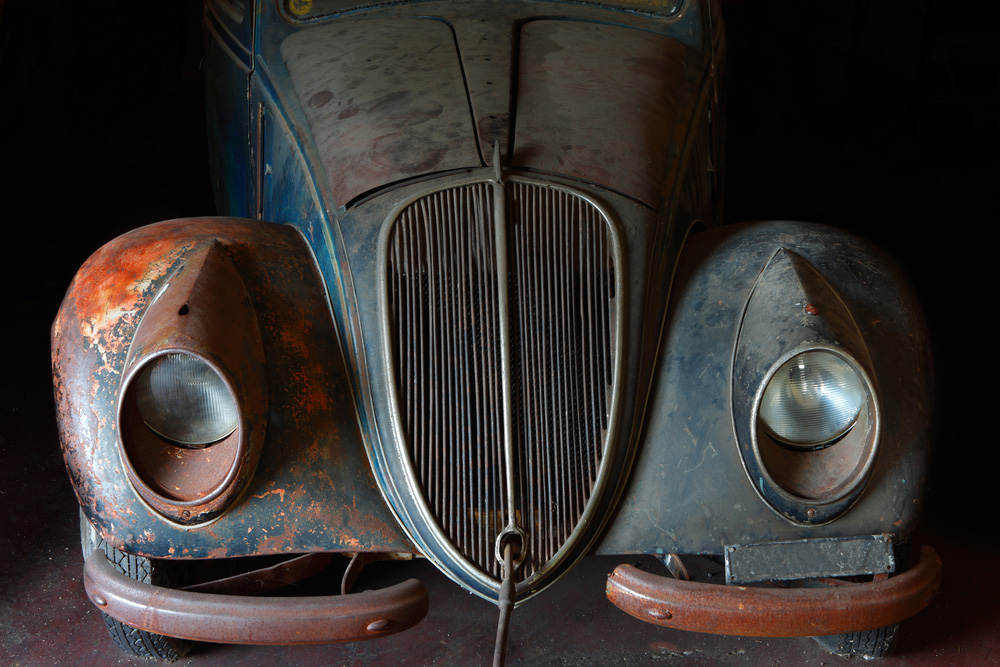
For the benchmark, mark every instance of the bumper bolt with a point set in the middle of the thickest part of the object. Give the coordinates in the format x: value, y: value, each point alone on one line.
x: 100, y: 601
x: 378, y: 626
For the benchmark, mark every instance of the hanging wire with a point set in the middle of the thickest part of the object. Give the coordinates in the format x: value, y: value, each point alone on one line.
x: 506, y: 604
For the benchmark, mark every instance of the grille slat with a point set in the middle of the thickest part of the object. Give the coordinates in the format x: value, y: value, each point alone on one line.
x: 445, y: 329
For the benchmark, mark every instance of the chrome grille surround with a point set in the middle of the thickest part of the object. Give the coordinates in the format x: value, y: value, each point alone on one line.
x: 503, y: 396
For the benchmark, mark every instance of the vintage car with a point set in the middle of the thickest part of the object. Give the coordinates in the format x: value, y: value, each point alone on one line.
x: 473, y: 305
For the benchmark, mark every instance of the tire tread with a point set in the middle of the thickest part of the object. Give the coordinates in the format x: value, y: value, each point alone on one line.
x: 134, y: 642
x: 868, y: 644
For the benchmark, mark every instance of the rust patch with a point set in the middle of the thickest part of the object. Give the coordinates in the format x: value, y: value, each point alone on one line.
x: 279, y: 543
x: 313, y: 454
x: 248, y: 619
x: 114, y: 295
x: 280, y: 492
x: 774, y: 612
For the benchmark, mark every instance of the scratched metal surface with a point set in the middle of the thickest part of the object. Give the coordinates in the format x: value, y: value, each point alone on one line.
x: 695, y: 495
x: 618, y: 139
x: 385, y: 100
x: 313, y: 488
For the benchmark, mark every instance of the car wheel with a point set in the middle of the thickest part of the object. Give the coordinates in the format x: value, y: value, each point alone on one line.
x: 866, y: 644
x: 135, y: 642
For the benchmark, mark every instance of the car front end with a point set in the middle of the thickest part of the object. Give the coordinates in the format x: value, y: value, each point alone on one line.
x: 498, y: 328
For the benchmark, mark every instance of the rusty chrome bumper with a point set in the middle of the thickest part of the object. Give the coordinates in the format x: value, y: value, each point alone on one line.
x: 238, y: 619
x: 775, y: 612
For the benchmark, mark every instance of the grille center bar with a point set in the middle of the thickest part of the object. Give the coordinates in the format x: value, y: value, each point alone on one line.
x: 503, y: 303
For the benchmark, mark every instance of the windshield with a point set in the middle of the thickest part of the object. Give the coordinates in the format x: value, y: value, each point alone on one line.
x: 312, y: 9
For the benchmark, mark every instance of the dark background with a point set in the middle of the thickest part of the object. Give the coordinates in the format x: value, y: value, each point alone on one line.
x: 883, y: 118
x: 878, y: 117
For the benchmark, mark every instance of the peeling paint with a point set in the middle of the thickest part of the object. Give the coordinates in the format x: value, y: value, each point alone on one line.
x: 306, y: 375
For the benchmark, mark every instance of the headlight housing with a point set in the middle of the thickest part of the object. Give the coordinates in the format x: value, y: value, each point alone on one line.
x: 812, y: 400
x: 192, y: 402
x: 805, y: 407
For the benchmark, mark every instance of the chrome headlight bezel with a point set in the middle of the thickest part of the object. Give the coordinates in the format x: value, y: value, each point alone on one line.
x: 155, y: 465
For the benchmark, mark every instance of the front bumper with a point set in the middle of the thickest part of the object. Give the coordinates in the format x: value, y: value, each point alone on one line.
x: 775, y: 612
x: 238, y: 619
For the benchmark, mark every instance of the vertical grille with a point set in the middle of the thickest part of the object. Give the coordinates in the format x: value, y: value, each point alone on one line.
x: 443, y: 292
x: 445, y: 335
x: 561, y: 294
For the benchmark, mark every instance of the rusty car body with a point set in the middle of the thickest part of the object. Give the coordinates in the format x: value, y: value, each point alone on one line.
x: 472, y: 304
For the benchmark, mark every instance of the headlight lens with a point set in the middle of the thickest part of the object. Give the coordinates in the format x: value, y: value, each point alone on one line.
x: 184, y: 400
x: 813, y: 399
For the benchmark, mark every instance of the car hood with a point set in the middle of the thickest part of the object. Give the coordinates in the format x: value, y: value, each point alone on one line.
x: 389, y: 99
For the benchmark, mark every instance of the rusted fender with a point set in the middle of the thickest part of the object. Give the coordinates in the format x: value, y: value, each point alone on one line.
x: 313, y: 488
x: 775, y: 612
x: 240, y: 619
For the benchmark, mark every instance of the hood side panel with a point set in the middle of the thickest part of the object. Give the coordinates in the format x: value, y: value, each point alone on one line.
x: 385, y: 101
x: 602, y: 119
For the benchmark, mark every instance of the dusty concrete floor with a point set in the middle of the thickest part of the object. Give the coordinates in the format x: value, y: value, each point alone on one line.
x: 101, y: 130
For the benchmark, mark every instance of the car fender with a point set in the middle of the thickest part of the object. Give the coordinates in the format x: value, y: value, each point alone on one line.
x: 313, y: 488
x: 690, y: 491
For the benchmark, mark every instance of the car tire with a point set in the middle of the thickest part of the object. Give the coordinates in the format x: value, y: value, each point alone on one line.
x: 134, y: 642
x: 868, y: 644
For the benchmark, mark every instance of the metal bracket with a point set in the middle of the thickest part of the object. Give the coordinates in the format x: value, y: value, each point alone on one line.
x: 676, y: 567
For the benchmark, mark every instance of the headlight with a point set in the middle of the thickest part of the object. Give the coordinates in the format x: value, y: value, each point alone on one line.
x: 184, y: 400
x: 813, y: 399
